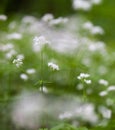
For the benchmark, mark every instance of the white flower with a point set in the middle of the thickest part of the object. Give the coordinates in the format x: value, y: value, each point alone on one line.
x: 106, y: 113
x: 93, y: 29
x: 111, y: 88
x: 103, y: 82
x: 27, y: 109
x: 87, y: 81
x: 96, y: 2
x: 47, y: 17
x: 83, y: 75
x: 82, y: 5
x: 53, y: 66
x: 20, y: 56
x: 19, y: 60
x: 43, y: 89
x: 16, y: 36
x: 58, y: 21
x: 3, y: 17
x: 24, y: 76
x: 88, y: 25
x: 41, y: 40
x: 97, y: 30
x: 65, y: 115
x: 103, y: 93
x: 31, y: 71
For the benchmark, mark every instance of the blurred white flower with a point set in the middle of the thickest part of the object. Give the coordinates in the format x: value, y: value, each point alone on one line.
x: 103, y: 82
x: 3, y: 17
x: 88, y: 25
x: 29, y: 19
x: 103, y: 93
x: 53, y: 66
x: 106, y: 113
x: 16, y: 36
x: 39, y: 42
x: 65, y: 115
x: 26, y: 110
x: 43, y: 89
x: 111, y: 88
x: 47, y: 17
x: 30, y: 71
x: 85, y: 5
x: 93, y: 29
x: 86, y: 112
x: 96, y: 2
x: 10, y: 54
x: 24, y: 77
x: 97, y: 46
x: 87, y: 81
x: 58, y: 21
x: 97, y: 30
x: 82, y: 5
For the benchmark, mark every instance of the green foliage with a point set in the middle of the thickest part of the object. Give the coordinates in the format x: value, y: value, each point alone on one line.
x: 67, y: 127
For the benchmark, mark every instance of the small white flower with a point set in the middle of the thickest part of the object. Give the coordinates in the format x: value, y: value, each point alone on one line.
x: 24, y: 76
x: 30, y: 71
x: 43, y: 89
x: 83, y: 75
x: 106, y: 113
x: 88, y: 25
x: 82, y: 5
x: 3, y: 17
x: 103, y: 93
x: 65, y: 115
x: 20, y: 56
x: 19, y: 60
x: 103, y: 82
x: 97, y: 30
x: 47, y: 17
x: 53, y: 66
x: 41, y: 40
x: 16, y: 36
x: 58, y: 21
x: 96, y: 2
x: 87, y: 81
x: 111, y: 88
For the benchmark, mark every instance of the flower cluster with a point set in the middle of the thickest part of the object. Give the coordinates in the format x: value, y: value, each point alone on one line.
x: 25, y: 76
x: 93, y: 29
x: 49, y: 18
x: 39, y: 42
x: 83, y: 77
x: 53, y: 66
x: 19, y: 60
x: 105, y: 92
x: 85, y: 5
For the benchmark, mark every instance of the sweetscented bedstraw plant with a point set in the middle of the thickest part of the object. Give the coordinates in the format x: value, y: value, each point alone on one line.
x: 83, y: 77
x: 68, y: 50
